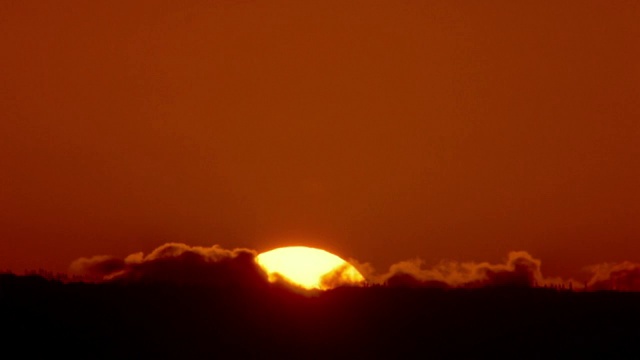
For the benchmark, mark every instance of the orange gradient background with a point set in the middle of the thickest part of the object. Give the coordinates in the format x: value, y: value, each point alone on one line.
x: 377, y: 130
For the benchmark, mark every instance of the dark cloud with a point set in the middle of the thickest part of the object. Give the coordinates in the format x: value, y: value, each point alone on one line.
x: 175, y: 263
x: 96, y: 268
x: 345, y: 275
x: 401, y: 279
x: 519, y: 270
x: 181, y: 263
x: 623, y: 276
x: 184, y: 264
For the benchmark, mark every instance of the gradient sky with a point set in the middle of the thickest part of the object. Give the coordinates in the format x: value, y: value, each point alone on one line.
x: 376, y: 130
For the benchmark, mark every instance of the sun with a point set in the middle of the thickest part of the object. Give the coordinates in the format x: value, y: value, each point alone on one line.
x: 308, y: 268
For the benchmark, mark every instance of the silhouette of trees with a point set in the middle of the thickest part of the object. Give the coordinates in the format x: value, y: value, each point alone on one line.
x: 206, y: 320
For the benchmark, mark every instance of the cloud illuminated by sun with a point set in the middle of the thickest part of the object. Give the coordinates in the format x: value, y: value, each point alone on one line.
x: 308, y: 268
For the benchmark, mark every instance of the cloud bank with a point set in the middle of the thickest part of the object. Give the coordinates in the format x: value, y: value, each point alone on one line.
x: 520, y: 270
x: 175, y: 263
x: 183, y: 264
x: 623, y: 276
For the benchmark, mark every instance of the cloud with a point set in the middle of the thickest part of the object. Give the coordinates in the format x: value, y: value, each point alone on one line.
x: 175, y: 263
x: 402, y: 279
x: 623, y: 276
x: 520, y: 270
x: 344, y: 275
x: 183, y: 264
x: 97, y: 267
x: 365, y: 269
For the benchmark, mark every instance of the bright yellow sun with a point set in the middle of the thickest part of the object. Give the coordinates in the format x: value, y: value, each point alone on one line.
x: 308, y: 268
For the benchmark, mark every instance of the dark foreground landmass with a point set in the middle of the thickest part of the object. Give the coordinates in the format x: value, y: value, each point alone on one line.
x: 44, y: 319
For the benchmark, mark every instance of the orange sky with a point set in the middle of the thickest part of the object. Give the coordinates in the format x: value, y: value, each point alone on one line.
x: 376, y: 130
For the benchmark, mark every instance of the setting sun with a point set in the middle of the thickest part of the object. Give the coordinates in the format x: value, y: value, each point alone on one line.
x: 308, y: 268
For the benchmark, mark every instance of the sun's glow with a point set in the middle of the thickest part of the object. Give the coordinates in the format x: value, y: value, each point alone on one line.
x: 308, y: 268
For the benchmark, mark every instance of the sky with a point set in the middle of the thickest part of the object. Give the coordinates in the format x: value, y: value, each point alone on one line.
x: 377, y: 130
